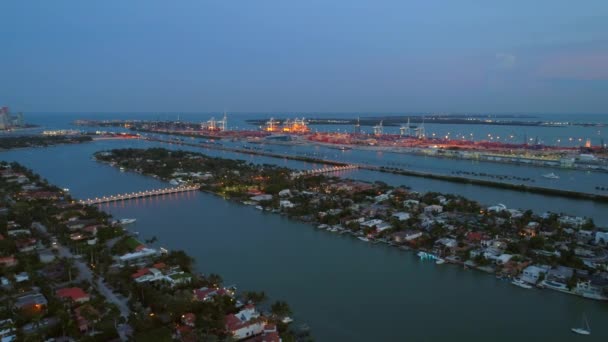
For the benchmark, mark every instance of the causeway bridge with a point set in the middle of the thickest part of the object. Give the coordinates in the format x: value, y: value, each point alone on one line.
x: 323, y: 170
x: 140, y: 194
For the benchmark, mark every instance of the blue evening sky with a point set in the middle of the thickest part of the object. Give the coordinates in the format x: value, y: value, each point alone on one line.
x: 305, y: 56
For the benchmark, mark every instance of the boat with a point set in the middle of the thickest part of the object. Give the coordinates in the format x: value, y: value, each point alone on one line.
x: 363, y: 238
x: 259, y: 207
x: 287, y: 320
x: 551, y: 176
x: 521, y: 283
x: 440, y: 261
x: 553, y: 285
x: 122, y: 169
x: 66, y: 190
x: 127, y: 221
x: 322, y: 226
x: 585, y: 329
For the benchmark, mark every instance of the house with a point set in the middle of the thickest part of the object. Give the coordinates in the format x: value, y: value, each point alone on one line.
x: 21, y: 277
x: 244, y: 324
x: 286, y: 204
x: 26, y: 245
x: 189, y: 319
x: 285, y: 193
x: 372, y: 223
x: 433, y: 209
x: 177, y: 278
x: 205, y: 294
x: 447, y: 242
x: 270, y: 334
x: 86, y: 315
x: 32, y: 301
x: 145, y: 275
x: 411, y: 203
x: 263, y: 197
x: 401, y: 216
x: 532, y: 274
x: 75, y: 294
x: 601, y: 238
x: 383, y: 226
x: 497, y: 208
x: 141, y: 255
x: 4, y: 282
x: 381, y: 198
x: 405, y: 236
x: 8, y: 261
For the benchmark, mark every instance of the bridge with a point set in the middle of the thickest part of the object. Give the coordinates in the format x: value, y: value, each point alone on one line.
x: 140, y: 194
x: 323, y: 170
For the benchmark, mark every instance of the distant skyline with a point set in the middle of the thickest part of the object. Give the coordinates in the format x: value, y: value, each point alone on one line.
x: 314, y: 56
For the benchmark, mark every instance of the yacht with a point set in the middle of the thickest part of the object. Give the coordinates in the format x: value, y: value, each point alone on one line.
x: 363, y: 238
x: 585, y: 329
x: 553, y: 285
x: 521, y: 283
x: 551, y: 176
x: 440, y: 261
x: 122, y: 169
x: 127, y: 221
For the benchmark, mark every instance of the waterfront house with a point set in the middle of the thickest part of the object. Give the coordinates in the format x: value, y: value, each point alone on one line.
x: 406, y: 236
x: 533, y: 273
x: 601, y: 238
x: 139, y: 256
x: 286, y: 204
x: 263, y: 197
x: 497, y: 208
x: 245, y: 323
x: 205, y: 294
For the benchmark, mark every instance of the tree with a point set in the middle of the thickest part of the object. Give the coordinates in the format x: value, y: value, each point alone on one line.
x: 280, y: 309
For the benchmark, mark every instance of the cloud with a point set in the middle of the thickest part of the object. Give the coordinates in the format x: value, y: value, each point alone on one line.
x: 505, y: 60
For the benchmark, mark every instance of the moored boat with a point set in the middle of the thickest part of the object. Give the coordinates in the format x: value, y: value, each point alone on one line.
x: 551, y: 176
x: 521, y: 283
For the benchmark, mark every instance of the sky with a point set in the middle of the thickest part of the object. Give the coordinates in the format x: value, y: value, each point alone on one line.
x: 305, y: 56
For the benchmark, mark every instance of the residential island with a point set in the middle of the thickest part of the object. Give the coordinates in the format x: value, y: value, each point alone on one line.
x: 548, y: 250
x: 70, y: 272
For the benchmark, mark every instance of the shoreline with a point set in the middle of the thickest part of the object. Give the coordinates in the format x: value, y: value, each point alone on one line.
x: 405, y: 172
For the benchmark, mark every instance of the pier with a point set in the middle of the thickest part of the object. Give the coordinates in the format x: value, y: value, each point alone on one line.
x: 324, y: 170
x: 140, y: 194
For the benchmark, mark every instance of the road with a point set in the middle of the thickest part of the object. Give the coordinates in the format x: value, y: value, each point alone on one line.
x: 86, y: 274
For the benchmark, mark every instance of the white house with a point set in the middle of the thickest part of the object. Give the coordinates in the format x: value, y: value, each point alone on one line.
x: 601, y: 238
x: 381, y: 198
x: 532, y: 273
x: 286, y: 204
x: 410, y: 203
x: 245, y: 323
x: 285, y: 193
x: 497, y: 208
x: 21, y: 277
x: 402, y: 216
x: 372, y: 223
x: 433, y: 209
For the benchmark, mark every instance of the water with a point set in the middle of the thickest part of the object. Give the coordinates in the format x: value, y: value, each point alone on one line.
x: 346, y: 290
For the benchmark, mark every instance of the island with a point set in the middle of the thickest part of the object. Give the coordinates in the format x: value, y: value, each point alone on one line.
x: 548, y: 250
